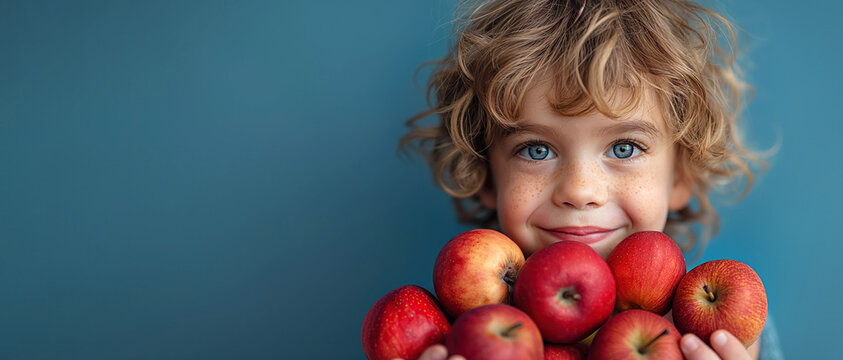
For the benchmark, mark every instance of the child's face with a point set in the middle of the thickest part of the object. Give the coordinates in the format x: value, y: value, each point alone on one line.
x: 562, y: 173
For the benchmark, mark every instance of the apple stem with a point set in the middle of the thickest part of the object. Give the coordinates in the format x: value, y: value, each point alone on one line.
x: 710, y: 294
x: 509, y: 275
x: 567, y: 294
x: 511, y: 329
x: 665, y: 332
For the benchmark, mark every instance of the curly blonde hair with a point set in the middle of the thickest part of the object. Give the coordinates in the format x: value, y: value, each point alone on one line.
x: 587, y: 49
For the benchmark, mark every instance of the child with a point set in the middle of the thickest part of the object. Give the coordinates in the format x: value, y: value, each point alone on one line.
x: 588, y: 120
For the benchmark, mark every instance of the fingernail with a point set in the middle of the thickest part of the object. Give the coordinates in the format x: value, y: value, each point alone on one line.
x: 689, y: 344
x: 719, y: 339
x: 438, y: 353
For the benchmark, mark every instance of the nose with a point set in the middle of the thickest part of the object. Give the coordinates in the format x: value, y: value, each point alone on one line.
x: 581, y: 185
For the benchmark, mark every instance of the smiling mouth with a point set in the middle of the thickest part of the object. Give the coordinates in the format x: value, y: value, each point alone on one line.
x: 589, y: 236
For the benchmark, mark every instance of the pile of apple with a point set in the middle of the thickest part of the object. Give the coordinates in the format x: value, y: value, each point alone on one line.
x: 565, y: 302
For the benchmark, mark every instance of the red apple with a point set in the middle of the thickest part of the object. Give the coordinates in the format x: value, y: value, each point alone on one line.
x: 647, y: 266
x: 402, y: 324
x: 721, y: 294
x: 636, y: 335
x: 475, y: 268
x: 564, y: 352
x: 496, y: 331
x: 568, y: 289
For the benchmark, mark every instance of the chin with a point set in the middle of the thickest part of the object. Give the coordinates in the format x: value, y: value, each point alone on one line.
x: 539, y: 240
x: 610, y: 243
x: 528, y: 241
x: 604, y: 247
x: 534, y: 246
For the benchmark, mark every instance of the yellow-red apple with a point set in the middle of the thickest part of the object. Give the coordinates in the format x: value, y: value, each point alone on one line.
x: 475, y: 268
x: 636, y: 335
x: 496, y: 331
x: 721, y: 294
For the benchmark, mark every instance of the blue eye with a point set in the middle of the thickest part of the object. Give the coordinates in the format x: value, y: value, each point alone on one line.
x: 623, y: 150
x: 537, y: 152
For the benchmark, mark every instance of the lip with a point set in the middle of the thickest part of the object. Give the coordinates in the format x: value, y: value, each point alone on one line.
x: 583, y: 234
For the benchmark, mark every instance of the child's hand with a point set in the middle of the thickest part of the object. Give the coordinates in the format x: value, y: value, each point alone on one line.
x: 726, y: 346
x: 438, y: 352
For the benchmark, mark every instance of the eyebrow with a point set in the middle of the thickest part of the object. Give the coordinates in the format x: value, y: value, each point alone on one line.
x: 635, y: 125
x: 531, y: 128
x: 645, y: 127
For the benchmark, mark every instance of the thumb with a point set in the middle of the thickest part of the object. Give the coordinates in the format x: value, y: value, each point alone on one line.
x: 435, y: 352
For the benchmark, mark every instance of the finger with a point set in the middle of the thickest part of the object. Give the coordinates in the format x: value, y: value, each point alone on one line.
x: 435, y: 352
x: 694, y: 349
x: 728, y: 346
x: 456, y: 357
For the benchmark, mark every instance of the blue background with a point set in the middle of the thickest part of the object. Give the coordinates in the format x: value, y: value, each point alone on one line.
x: 218, y: 179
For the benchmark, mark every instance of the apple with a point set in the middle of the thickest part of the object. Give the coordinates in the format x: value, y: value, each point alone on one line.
x: 564, y: 352
x: 636, y: 335
x: 402, y: 324
x: 647, y: 267
x: 475, y: 268
x: 568, y: 289
x: 721, y: 294
x: 496, y: 331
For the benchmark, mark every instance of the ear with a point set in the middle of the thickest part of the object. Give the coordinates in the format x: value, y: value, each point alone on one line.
x: 680, y: 191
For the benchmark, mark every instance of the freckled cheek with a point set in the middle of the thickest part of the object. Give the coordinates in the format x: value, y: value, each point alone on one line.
x: 521, y: 192
x: 644, y: 200
x: 519, y: 196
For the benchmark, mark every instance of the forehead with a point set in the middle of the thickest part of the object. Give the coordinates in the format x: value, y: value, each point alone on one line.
x: 624, y: 111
